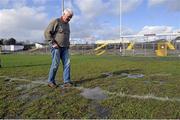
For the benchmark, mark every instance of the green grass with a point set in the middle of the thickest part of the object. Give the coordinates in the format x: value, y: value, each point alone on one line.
x: 19, y: 98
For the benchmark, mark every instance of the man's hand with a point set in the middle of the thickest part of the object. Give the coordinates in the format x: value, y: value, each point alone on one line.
x: 55, y: 45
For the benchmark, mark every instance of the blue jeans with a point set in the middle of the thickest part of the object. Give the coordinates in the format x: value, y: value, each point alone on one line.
x: 58, y: 54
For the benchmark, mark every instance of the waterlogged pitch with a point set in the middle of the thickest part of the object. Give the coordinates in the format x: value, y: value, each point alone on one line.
x: 105, y: 87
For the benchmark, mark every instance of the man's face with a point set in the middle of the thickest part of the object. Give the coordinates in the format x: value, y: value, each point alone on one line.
x: 67, y: 17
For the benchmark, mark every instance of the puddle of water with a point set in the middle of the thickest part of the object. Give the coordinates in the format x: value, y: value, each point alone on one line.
x: 147, y: 82
x: 31, y: 85
x: 26, y: 86
x: 107, y: 74
x: 161, y: 74
x: 161, y: 82
x: 94, y: 94
x: 7, y: 79
x: 23, y: 96
x: 99, y: 112
x: 42, y: 82
x: 124, y: 74
x: 28, y: 98
x: 135, y: 76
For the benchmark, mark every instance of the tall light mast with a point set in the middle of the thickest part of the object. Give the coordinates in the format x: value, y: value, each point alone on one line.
x: 62, y: 6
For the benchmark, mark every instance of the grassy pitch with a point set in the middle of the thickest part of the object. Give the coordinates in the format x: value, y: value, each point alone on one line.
x: 134, y: 87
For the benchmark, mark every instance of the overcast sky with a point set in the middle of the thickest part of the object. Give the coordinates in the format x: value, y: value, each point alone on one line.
x: 93, y: 19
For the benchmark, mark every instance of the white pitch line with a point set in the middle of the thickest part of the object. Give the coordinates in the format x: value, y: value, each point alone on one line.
x: 24, y: 80
x: 150, y: 96
x: 143, y: 97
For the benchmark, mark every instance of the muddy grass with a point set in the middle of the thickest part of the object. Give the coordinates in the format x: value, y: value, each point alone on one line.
x: 105, y: 87
x: 30, y: 92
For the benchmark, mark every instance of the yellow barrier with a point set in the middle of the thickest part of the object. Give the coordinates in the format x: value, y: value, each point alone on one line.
x: 130, y: 46
x: 100, y: 53
x: 161, y: 53
x: 163, y: 47
x: 97, y: 50
x: 103, y: 45
x: 170, y: 46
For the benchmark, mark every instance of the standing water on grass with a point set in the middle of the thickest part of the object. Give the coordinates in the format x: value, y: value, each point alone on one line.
x: 94, y: 94
x: 135, y: 76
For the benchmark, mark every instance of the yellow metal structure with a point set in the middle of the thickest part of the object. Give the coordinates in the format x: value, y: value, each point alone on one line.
x: 130, y: 46
x: 103, y: 45
x: 100, y: 53
x: 162, y: 48
x: 100, y: 50
x: 170, y: 46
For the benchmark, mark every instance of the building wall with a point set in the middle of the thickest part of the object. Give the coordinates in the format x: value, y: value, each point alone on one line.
x: 12, y: 47
x: 38, y: 45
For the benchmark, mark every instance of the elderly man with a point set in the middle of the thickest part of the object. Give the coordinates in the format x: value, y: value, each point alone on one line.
x: 57, y: 34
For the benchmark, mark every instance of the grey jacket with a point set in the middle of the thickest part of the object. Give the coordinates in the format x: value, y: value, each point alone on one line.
x: 58, y: 32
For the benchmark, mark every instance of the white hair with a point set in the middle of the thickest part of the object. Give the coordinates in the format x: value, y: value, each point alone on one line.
x: 67, y: 10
